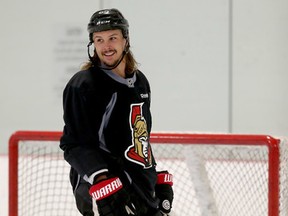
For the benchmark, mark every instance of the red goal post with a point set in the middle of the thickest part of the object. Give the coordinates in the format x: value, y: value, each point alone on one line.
x: 195, y: 159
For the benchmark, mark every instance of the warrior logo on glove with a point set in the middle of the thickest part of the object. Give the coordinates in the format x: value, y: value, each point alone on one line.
x: 140, y: 150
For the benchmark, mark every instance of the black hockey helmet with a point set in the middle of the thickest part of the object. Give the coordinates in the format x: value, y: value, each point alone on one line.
x: 108, y: 19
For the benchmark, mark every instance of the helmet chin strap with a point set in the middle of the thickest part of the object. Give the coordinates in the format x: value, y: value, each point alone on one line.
x: 116, y: 64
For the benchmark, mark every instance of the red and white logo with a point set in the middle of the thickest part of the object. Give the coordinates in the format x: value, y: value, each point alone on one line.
x: 105, y: 188
x: 140, y: 150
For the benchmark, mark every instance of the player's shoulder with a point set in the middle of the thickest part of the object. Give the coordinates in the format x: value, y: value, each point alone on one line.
x: 142, y: 79
x: 141, y: 75
x: 86, y: 78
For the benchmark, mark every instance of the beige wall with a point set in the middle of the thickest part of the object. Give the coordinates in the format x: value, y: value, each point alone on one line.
x: 214, y: 66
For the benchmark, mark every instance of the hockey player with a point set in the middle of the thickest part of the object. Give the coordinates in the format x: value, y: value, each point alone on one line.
x: 107, y: 128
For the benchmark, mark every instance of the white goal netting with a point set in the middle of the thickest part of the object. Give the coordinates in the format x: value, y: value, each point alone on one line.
x: 210, y: 179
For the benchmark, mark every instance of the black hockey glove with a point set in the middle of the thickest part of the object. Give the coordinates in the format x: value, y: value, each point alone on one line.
x: 164, y: 191
x: 112, y: 198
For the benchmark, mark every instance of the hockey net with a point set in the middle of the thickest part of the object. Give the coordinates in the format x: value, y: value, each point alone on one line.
x: 214, y: 174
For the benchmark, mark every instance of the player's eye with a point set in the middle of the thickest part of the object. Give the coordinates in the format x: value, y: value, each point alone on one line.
x: 99, y: 40
x: 113, y: 38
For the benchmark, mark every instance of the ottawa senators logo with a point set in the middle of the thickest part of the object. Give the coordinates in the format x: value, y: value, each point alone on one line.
x: 140, y: 150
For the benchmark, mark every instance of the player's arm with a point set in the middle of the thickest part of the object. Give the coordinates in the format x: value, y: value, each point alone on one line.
x: 80, y: 141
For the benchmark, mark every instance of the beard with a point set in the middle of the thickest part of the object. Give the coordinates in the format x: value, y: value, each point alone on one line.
x: 110, y: 63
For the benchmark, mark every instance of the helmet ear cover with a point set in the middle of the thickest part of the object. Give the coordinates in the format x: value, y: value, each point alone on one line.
x: 108, y: 19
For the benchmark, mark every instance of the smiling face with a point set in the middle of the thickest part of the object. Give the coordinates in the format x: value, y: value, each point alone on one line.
x: 109, y: 46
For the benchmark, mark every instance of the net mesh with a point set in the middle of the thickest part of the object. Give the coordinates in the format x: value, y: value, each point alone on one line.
x: 209, y: 180
x: 43, y: 181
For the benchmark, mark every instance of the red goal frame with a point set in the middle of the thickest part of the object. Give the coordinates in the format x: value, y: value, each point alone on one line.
x: 182, y: 138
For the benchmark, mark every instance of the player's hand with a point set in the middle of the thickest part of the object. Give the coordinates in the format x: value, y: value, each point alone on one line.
x: 164, y: 191
x: 112, y: 198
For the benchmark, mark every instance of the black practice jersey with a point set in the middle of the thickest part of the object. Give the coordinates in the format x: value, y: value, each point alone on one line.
x: 107, y: 126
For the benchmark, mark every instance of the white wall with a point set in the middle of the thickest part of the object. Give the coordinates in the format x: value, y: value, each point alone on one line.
x: 217, y: 66
x: 260, y: 58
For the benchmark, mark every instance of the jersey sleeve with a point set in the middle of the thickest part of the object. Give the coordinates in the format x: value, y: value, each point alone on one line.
x: 80, y: 140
